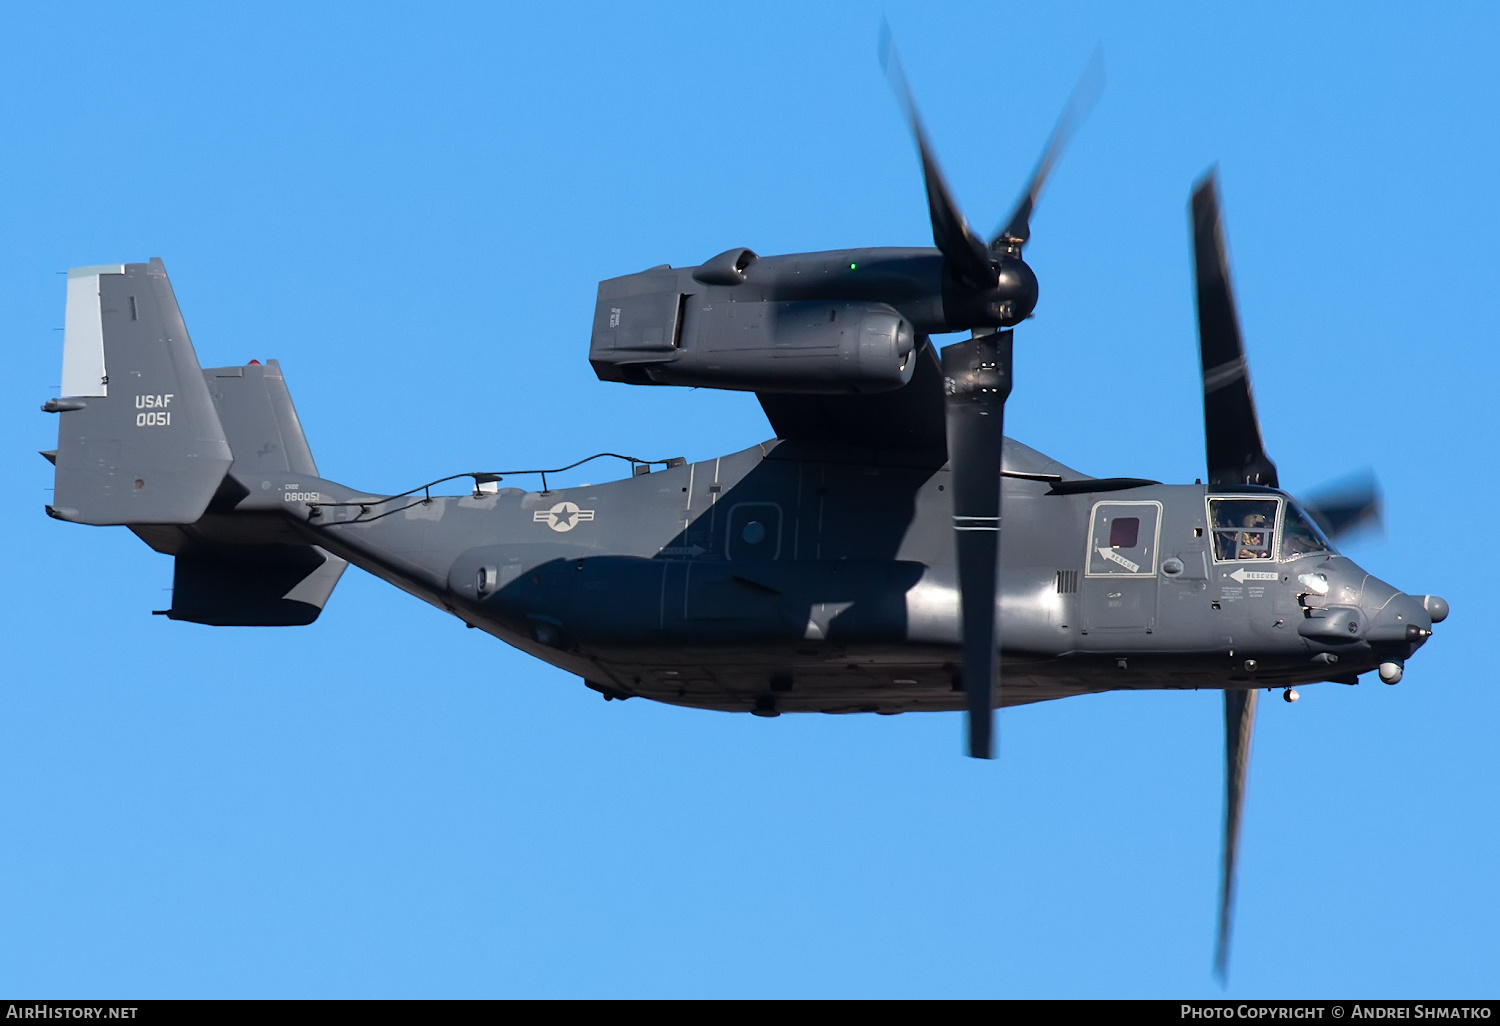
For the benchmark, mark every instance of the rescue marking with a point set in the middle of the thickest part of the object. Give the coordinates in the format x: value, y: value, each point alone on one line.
x: 1115, y: 557
x: 1242, y: 575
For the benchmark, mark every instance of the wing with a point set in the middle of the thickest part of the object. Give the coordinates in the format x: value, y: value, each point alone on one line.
x: 908, y: 418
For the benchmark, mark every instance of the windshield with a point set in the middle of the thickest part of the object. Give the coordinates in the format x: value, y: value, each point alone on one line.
x: 1300, y: 535
x: 1243, y: 528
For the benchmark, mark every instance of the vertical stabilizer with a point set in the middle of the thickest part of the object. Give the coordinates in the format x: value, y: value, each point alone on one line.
x: 139, y: 441
x: 259, y: 420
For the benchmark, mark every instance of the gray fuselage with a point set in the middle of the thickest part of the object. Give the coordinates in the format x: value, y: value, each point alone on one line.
x: 784, y: 578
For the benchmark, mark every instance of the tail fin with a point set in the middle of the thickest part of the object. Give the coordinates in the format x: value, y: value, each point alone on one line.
x: 139, y: 440
x: 259, y: 420
x: 150, y: 440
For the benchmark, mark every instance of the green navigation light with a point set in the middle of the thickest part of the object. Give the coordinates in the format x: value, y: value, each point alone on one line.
x: 853, y: 266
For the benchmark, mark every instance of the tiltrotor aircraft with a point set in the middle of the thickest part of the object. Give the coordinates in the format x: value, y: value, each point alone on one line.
x: 850, y: 564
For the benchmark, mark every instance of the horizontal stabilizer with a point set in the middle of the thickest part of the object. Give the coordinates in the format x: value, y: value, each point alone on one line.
x: 254, y: 585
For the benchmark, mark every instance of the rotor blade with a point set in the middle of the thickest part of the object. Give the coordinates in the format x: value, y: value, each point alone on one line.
x: 1017, y: 230
x: 1345, y: 507
x: 964, y: 253
x: 1239, y: 725
x: 1235, y: 452
x: 977, y: 379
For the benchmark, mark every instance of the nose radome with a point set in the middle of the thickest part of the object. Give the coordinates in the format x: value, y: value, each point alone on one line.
x: 1436, y: 606
x: 1404, y: 619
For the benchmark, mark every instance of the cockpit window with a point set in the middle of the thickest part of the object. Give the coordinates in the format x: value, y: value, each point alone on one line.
x: 1300, y: 536
x: 1243, y: 528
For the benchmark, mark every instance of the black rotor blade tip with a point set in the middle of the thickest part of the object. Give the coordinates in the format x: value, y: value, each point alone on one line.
x: 982, y: 735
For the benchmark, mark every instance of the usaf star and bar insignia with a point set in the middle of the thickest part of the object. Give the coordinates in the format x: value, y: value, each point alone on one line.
x: 563, y: 517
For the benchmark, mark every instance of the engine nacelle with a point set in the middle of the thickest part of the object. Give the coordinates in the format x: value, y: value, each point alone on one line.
x: 663, y: 327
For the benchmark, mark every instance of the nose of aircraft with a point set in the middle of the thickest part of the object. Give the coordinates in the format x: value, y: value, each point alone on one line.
x: 1402, y: 620
x: 1398, y: 627
x: 1436, y: 606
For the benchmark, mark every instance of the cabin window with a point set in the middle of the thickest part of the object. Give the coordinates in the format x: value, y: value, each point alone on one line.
x: 1124, y: 532
x: 1243, y: 528
x: 754, y: 531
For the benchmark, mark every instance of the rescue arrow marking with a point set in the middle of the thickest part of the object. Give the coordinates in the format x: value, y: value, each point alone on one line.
x: 1242, y: 575
x: 1115, y: 557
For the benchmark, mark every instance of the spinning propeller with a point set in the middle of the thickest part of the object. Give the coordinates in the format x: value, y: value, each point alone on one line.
x: 985, y: 286
x: 1236, y: 455
x: 988, y: 286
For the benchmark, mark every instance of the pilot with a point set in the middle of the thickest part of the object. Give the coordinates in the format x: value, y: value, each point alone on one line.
x: 1255, y: 542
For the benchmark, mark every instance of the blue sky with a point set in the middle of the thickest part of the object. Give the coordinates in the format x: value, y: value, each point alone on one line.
x: 410, y: 208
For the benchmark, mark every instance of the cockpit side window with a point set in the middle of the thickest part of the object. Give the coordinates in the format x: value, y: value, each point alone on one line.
x: 1300, y: 536
x: 1243, y: 528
